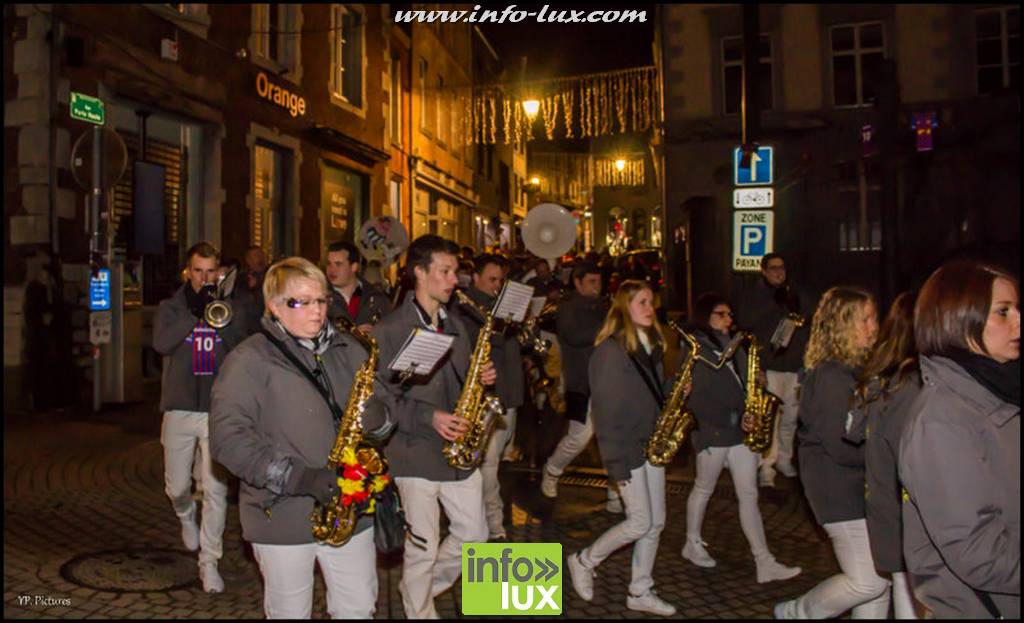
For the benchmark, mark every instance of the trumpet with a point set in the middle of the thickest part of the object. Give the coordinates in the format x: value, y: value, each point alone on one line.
x: 218, y: 313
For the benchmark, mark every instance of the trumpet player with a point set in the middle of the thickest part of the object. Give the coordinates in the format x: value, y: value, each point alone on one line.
x: 424, y: 423
x: 717, y: 401
x: 272, y: 424
x: 488, y: 278
x: 352, y: 298
x: 627, y: 381
x: 193, y: 352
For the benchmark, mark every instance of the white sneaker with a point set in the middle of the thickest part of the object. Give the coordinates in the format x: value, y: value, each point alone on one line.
x: 786, y: 470
x: 784, y: 610
x: 582, y: 577
x: 694, y: 552
x: 651, y: 603
x: 766, y: 478
x: 549, y: 484
x: 190, y: 531
x: 770, y: 570
x: 613, y: 505
x: 212, y: 582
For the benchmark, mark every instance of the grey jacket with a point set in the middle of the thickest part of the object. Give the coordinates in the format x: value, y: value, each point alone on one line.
x: 505, y: 349
x: 371, y: 301
x: 415, y: 450
x: 718, y: 396
x: 960, y: 464
x: 267, y: 418
x: 831, y: 468
x: 757, y: 311
x: 173, y: 324
x: 578, y: 322
x: 878, y: 425
x: 624, y: 409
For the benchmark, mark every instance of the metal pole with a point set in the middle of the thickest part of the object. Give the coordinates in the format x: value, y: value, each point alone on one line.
x: 95, y: 249
x: 750, y: 107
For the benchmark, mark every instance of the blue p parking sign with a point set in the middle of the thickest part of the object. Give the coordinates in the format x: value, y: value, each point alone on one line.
x: 753, y: 234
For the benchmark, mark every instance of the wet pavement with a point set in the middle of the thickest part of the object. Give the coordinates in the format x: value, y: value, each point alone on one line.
x: 89, y: 533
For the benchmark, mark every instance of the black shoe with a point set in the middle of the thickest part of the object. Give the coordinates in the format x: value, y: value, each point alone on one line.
x: 500, y: 539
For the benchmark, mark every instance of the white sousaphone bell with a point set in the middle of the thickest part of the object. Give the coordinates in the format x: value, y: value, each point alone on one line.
x: 549, y: 230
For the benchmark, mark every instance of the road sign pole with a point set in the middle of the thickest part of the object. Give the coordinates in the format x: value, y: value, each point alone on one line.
x: 95, y: 247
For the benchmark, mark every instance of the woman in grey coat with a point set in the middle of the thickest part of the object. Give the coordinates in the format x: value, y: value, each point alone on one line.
x: 717, y: 400
x: 271, y: 426
x: 627, y: 385
x: 886, y: 389
x: 960, y: 451
x: 832, y: 469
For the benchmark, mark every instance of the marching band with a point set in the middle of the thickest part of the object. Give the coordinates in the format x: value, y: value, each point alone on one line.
x: 328, y: 439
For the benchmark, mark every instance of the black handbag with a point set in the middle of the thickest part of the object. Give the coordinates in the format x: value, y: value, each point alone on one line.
x: 389, y: 525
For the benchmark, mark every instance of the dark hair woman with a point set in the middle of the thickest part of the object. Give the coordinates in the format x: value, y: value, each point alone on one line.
x: 886, y: 388
x: 960, y: 451
x: 717, y: 401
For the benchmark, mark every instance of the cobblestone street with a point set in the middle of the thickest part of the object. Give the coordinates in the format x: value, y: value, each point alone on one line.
x: 89, y: 533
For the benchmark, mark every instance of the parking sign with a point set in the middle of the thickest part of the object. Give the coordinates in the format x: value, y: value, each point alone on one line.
x: 753, y: 238
x: 758, y: 172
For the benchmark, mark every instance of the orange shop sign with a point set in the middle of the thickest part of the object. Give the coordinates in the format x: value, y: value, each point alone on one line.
x: 294, y: 104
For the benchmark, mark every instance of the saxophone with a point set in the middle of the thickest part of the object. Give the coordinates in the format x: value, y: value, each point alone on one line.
x: 760, y: 403
x: 675, y: 421
x: 476, y: 408
x: 333, y: 523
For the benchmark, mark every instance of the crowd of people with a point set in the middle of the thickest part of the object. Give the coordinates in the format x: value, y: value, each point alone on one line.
x: 905, y: 438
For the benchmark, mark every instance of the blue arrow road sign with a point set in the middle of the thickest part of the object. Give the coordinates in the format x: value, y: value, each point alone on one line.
x: 99, y: 290
x: 760, y: 170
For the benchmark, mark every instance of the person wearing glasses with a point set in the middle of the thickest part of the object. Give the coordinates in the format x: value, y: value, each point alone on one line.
x: 273, y: 423
x: 717, y: 400
x: 760, y: 310
x: 194, y: 353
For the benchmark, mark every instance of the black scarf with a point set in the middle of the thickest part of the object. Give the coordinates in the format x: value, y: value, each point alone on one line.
x: 1002, y: 379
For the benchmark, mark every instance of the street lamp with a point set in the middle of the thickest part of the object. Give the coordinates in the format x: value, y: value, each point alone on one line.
x: 531, y: 107
x: 620, y: 165
x: 535, y: 181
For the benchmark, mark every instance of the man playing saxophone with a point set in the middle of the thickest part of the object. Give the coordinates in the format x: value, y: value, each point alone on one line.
x: 425, y: 422
x: 276, y: 410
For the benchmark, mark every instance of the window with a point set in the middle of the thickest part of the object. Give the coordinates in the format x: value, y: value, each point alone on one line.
x: 442, y: 112
x: 732, y: 73
x: 395, y: 101
x: 426, y: 109
x: 275, y: 38
x: 860, y: 225
x: 346, y: 81
x: 395, y: 197
x: 997, y: 36
x: 858, y: 51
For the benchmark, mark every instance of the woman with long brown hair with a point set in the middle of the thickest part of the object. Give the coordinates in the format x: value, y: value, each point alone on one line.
x: 627, y: 390
x: 831, y: 469
x: 886, y: 389
x: 960, y: 450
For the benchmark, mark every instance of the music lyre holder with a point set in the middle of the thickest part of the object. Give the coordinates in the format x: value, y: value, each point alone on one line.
x: 727, y: 354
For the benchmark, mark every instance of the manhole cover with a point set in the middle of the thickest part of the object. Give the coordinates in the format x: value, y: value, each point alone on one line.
x: 132, y: 570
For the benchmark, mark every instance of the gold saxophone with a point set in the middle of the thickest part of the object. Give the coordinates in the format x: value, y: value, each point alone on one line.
x: 760, y: 403
x: 675, y: 421
x: 474, y: 406
x: 333, y: 523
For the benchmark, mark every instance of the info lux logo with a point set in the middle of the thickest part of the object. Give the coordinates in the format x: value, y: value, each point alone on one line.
x: 511, y: 578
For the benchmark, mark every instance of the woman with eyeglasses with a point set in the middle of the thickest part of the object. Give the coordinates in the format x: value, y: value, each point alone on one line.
x: 273, y: 422
x: 627, y: 388
x: 832, y: 469
x: 717, y: 401
x: 960, y: 451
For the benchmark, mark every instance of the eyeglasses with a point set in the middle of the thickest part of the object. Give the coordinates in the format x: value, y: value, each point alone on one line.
x: 301, y: 303
x: 720, y: 313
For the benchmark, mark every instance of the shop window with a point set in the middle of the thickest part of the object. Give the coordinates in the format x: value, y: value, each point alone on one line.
x: 859, y: 201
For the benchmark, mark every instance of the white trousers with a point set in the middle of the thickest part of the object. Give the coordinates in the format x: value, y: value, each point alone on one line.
x: 350, y: 573
x: 902, y: 597
x: 742, y: 464
x: 574, y: 442
x: 644, y: 500
x: 429, y: 571
x: 783, y: 385
x: 180, y: 433
x: 858, y: 586
x: 503, y: 432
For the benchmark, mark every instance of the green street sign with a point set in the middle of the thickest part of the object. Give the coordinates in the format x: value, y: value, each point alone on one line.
x: 87, y: 108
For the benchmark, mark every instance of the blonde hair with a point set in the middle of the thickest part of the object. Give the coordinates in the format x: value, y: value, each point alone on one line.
x: 619, y: 324
x: 834, y: 331
x: 284, y: 272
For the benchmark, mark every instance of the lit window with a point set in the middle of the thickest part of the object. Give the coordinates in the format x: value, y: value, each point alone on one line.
x: 347, y: 54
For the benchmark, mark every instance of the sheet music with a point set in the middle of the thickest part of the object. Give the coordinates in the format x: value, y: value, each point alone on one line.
x: 421, y: 352
x: 536, y: 305
x: 783, y: 333
x: 513, y: 301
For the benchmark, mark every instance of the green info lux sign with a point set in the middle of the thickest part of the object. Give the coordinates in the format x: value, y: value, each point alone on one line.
x: 512, y: 578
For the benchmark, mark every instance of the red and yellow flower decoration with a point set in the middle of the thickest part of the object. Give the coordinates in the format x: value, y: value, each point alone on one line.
x: 363, y: 475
